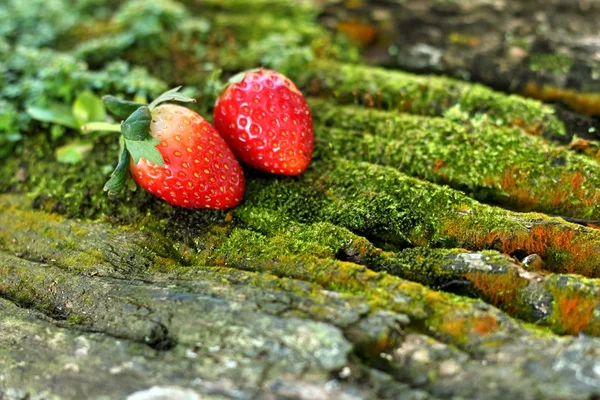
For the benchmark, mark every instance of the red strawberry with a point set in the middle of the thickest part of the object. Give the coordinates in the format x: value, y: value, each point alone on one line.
x: 173, y: 153
x: 199, y: 168
x: 267, y: 123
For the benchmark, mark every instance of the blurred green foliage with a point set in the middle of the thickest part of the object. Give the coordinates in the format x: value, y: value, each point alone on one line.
x: 52, y: 52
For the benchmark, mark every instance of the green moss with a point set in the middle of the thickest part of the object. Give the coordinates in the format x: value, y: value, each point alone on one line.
x: 550, y: 62
x: 312, y: 252
x: 498, y: 164
x: 76, y: 319
x: 280, y: 8
x: 382, y: 203
x: 431, y: 96
x: 251, y: 251
x: 324, y: 227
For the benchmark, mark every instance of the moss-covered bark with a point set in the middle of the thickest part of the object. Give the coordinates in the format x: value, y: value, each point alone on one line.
x: 403, y: 211
x: 253, y: 310
x: 365, y: 277
x: 427, y: 95
x: 494, y: 164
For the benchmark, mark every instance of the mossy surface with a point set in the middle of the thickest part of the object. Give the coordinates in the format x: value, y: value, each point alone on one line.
x: 433, y: 96
x: 495, y: 164
x: 379, y: 270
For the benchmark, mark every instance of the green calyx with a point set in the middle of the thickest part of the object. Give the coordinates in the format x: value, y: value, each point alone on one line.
x: 135, y: 131
x: 118, y: 178
x: 136, y: 140
x: 121, y: 109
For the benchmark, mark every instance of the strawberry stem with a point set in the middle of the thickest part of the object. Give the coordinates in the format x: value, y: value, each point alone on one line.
x: 101, y: 126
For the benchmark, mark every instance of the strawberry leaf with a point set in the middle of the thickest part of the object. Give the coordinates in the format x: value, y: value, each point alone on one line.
x: 117, y: 180
x: 121, y: 109
x: 171, y: 95
x: 145, y: 149
x: 137, y: 126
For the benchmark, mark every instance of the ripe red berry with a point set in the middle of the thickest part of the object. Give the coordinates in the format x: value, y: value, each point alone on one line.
x: 199, y: 168
x: 267, y: 123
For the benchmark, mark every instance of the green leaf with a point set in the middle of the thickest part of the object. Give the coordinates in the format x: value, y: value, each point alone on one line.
x: 137, y: 126
x: 74, y: 152
x: 121, y: 109
x: 55, y: 113
x: 171, y: 95
x: 119, y: 176
x: 88, y: 107
x: 145, y: 149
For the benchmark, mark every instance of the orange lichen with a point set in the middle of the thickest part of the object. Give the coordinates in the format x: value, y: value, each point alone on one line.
x: 569, y: 187
x: 557, y: 197
x: 369, y: 102
x: 384, y: 342
x: 508, y: 181
x: 485, y: 325
x: 459, y: 327
x: 577, y: 253
x: 574, y: 314
x: 455, y: 327
x: 500, y: 290
x: 580, y: 145
x: 514, y: 182
x: 535, y: 129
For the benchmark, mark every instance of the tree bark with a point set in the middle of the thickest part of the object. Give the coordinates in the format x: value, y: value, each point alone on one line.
x: 85, y: 303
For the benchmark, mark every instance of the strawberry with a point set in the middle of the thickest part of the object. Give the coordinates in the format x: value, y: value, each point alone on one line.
x: 175, y: 154
x: 199, y: 168
x: 266, y: 121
